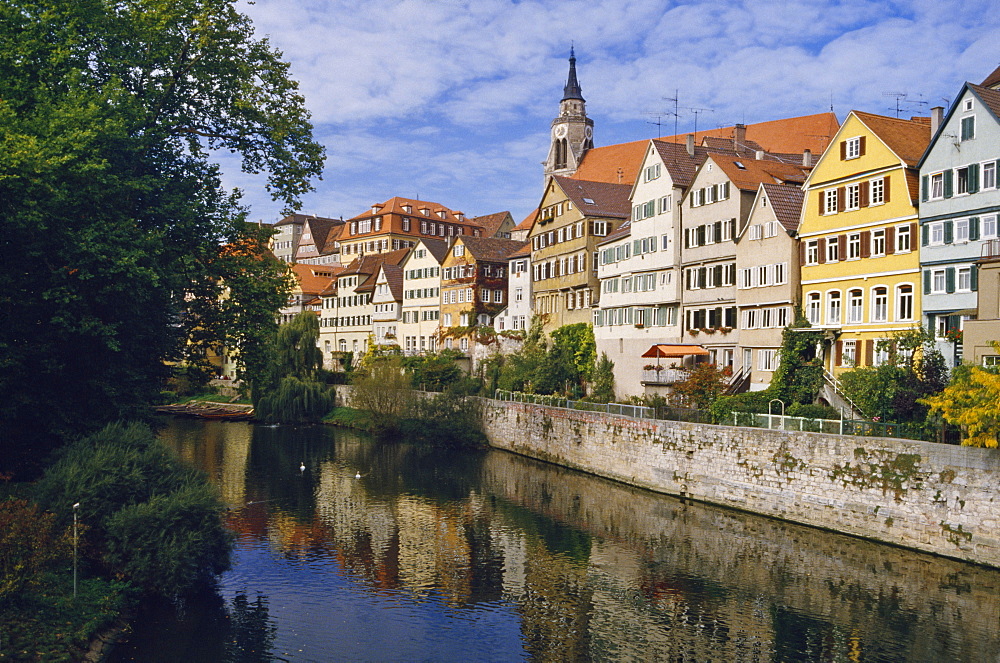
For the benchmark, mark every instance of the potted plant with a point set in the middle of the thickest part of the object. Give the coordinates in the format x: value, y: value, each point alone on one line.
x: 725, y: 330
x: 954, y: 335
x: 708, y: 330
x: 693, y: 331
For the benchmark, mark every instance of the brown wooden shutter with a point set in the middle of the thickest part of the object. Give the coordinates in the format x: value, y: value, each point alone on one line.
x: 841, y: 199
x: 869, y: 351
x: 885, y: 188
x: 822, y: 250
x: 864, y: 194
x: 822, y: 201
x: 890, y: 240
x: 839, y: 354
x: 866, y: 243
x: 843, y: 150
x: 914, y: 237
x: 861, y: 147
x: 842, y: 247
x: 802, y: 252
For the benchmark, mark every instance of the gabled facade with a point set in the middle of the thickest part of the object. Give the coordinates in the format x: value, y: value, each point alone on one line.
x: 859, y: 240
x: 767, y: 278
x: 573, y: 216
x: 349, y: 307
x: 397, y: 224
x: 387, y: 304
x: 288, y: 232
x: 639, y: 267
x: 715, y: 211
x: 317, y: 244
x: 517, y: 314
x: 420, y: 320
x: 498, y: 225
x: 310, y: 281
x: 959, y: 208
x: 473, y: 287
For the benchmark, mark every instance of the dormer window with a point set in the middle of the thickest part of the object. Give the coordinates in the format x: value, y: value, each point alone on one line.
x: 408, y: 209
x: 425, y: 211
x: 441, y: 213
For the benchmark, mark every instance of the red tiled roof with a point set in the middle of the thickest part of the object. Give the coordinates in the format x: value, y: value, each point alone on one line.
x: 748, y: 174
x: 523, y: 252
x: 300, y: 218
x: 369, y: 264
x: 597, y: 198
x: 491, y: 223
x: 992, y: 80
x: 906, y: 138
x: 529, y: 221
x: 988, y: 96
x: 619, y: 164
x: 786, y: 201
x: 394, y: 278
x: 314, y: 279
x: 494, y: 249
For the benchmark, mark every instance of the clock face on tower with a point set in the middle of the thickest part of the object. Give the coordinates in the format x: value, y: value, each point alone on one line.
x: 590, y: 132
x: 560, y: 131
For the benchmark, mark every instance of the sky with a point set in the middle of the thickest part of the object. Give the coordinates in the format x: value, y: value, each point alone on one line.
x: 450, y: 101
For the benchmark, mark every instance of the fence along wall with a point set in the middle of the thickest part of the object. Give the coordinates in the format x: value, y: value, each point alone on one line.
x: 930, y: 497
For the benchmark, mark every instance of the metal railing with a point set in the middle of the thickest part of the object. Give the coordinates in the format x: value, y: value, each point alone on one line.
x: 663, y: 375
x: 834, y: 384
x: 620, y: 409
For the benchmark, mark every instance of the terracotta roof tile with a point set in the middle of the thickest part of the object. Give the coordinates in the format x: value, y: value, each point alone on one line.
x: 369, y: 264
x: 597, y: 198
x: 436, y: 247
x: 394, y: 278
x: 748, y: 174
x: 988, y: 96
x: 491, y: 223
x: 992, y: 80
x: 907, y: 139
x: 314, y: 279
x: 494, y: 249
x: 791, y: 136
x: 396, y: 204
x: 529, y: 221
x: 523, y: 252
x: 786, y: 201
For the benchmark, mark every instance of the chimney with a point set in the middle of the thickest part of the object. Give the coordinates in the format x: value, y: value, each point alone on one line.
x: 759, y: 155
x: 690, y: 144
x: 739, y: 137
x: 807, y: 158
x: 937, y: 116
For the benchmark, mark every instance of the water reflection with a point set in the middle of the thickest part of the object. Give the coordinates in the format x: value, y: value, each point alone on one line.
x: 434, y: 555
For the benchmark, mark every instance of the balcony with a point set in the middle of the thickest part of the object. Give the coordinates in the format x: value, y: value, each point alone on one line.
x: 663, y: 376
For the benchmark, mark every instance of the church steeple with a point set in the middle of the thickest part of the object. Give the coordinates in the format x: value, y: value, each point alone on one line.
x: 572, y: 131
x: 572, y: 89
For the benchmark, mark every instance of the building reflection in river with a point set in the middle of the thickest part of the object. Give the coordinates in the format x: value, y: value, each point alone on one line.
x: 595, y: 570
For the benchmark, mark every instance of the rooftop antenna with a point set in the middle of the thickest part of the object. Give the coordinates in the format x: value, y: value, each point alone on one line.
x: 696, y: 111
x: 902, y: 97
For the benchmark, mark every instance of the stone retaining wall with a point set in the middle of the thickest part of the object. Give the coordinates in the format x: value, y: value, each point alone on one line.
x: 921, y: 495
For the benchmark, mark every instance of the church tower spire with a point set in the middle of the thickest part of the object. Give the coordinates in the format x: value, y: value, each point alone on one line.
x: 572, y: 131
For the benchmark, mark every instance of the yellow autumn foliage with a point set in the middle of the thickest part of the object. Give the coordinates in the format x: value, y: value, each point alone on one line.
x: 973, y: 402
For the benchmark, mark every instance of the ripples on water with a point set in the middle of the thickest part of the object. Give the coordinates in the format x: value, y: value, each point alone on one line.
x: 446, y: 556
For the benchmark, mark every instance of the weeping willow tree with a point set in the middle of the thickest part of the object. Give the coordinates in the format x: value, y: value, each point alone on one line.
x: 291, y: 391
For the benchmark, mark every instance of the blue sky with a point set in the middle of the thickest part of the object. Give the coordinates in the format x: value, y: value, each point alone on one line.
x: 450, y: 100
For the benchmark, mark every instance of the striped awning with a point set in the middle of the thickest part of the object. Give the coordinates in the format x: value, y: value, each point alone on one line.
x: 669, y: 350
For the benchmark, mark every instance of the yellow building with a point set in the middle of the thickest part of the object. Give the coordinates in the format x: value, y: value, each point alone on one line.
x: 859, y: 240
x: 573, y: 216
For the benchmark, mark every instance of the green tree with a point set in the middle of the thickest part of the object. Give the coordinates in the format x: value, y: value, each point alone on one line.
x: 288, y: 391
x: 701, y: 387
x: 385, y: 390
x: 893, y: 390
x: 604, y: 380
x: 115, y: 221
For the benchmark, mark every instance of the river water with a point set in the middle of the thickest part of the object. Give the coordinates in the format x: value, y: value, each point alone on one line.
x: 394, y: 552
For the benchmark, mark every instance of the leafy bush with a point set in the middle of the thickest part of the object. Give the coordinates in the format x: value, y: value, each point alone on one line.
x: 172, y: 540
x: 811, y: 411
x: 445, y: 420
x: 117, y: 469
x: 295, y: 401
x: 29, y: 543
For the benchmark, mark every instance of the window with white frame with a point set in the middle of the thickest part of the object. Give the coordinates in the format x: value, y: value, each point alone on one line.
x: 853, y: 197
x: 854, y: 246
x: 852, y: 149
x: 881, y: 354
x: 767, y: 359
x: 904, y: 302
x: 878, y: 242
x: 880, y: 304
x: 938, y: 281
x: 961, y: 230
x: 832, y: 249
x: 833, y: 308
x: 991, y: 361
x: 849, y: 354
x: 935, y: 232
x: 812, y: 252
x: 813, y: 308
x: 855, y: 306
x: 876, y: 191
x: 903, y: 239
x: 988, y: 227
x: 664, y: 204
x: 937, y: 186
x: 988, y: 175
x: 830, y: 201
x: 964, y: 279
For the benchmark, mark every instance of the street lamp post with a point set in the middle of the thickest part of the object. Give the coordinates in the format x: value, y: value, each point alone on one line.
x: 75, y: 507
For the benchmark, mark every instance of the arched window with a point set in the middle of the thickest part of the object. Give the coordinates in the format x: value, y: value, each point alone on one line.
x: 833, y: 308
x: 904, y: 302
x: 855, y: 306
x: 880, y: 304
x: 813, y: 308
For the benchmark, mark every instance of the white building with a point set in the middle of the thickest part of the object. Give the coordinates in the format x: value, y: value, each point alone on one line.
x: 421, y: 304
